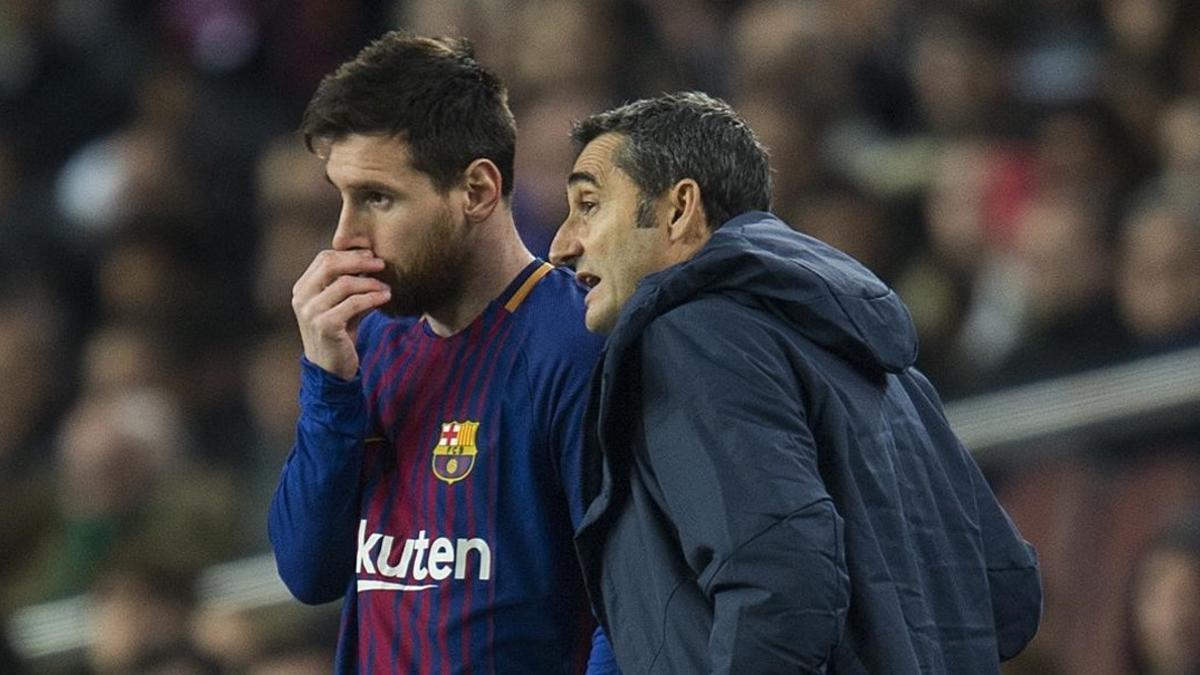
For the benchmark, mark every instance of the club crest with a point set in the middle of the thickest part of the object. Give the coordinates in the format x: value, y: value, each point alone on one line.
x: 454, y: 454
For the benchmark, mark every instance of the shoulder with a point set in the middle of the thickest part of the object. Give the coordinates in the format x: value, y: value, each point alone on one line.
x: 701, y: 308
x: 716, y: 339
x: 557, y: 293
x: 710, y: 321
x: 553, y: 316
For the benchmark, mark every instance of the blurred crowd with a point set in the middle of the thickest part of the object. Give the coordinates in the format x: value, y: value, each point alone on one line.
x: 1026, y: 173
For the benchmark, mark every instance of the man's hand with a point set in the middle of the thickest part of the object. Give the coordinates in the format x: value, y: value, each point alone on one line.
x: 329, y: 299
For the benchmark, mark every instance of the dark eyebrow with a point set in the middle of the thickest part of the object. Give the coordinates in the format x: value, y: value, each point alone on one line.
x: 365, y: 185
x: 582, y: 177
x: 372, y: 186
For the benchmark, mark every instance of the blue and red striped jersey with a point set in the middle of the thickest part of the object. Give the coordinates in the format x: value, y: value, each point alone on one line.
x: 438, y: 491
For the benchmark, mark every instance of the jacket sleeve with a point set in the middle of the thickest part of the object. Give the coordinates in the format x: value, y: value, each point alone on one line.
x: 312, y: 517
x: 1012, y: 568
x: 1013, y: 578
x: 727, y: 444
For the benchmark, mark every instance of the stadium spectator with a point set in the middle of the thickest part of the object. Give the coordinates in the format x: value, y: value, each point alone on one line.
x: 537, y: 197
x: 140, y: 620
x: 1164, y: 603
x: 1063, y: 254
x: 1158, y: 281
x: 1179, y: 146
x: 244, y: 638
x: 964, y: 298
x: 115, y: 449
x: 294, y: 207
x: 123, y: 355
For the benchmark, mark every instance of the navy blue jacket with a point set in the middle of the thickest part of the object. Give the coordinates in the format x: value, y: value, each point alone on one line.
x: 775, y: 489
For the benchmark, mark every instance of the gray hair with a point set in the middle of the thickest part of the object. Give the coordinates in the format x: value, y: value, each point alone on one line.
x: 687, y: 135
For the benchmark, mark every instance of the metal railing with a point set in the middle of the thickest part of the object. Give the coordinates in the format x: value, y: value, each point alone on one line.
x: 1114, y: 402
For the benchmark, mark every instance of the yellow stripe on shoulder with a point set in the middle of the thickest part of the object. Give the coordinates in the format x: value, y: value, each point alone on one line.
x: 517, y: 298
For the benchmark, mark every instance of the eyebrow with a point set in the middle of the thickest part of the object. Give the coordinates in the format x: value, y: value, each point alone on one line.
x: 582, y: 177
x: 374, y: 186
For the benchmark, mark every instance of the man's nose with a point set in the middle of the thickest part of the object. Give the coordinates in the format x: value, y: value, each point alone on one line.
x: 566, y: 247
x: 350, y: 234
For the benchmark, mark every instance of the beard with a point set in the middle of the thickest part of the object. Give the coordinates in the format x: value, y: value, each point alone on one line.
x: 433, y: 275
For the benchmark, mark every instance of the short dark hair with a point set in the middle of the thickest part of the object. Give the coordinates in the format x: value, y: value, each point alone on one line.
x: 429, y: 91
x: 687, y: 135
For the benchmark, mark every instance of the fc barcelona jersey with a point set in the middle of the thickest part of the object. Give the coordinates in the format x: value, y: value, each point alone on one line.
x: 438, y: 490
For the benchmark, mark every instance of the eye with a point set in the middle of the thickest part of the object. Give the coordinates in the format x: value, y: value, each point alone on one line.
x: 586, y: 206
x: 376, y: 199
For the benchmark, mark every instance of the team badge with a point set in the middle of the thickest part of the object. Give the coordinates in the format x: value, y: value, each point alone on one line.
x: 454, y: 454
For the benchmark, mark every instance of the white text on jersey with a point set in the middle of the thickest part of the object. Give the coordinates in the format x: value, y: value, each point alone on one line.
x: 420, y: 558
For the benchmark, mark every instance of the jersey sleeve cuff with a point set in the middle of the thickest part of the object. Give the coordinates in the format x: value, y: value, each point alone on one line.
x: 328, y: 398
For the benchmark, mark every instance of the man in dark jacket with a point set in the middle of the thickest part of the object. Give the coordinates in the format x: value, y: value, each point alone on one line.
x: 774, y: 486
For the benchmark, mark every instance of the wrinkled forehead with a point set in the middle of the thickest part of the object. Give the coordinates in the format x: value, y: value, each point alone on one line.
x: 596, y: 163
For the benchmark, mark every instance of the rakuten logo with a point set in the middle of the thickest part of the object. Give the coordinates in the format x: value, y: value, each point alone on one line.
x: 420, y: 559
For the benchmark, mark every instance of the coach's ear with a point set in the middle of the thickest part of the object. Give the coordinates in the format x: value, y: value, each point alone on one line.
x: 484, y: 189
x: 687, y: 231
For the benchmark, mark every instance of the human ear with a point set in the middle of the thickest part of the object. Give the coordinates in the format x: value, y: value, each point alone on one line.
x: 689, y: 223
x: 483, y: 189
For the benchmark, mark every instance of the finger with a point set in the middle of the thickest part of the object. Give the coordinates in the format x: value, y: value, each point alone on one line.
x: 336, y: 292
x: 328, y: 265
x: 347, y: 312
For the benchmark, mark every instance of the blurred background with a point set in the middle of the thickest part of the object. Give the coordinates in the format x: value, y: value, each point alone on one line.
x: 1026, y: 173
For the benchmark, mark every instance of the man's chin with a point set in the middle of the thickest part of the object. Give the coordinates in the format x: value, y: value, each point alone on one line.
x: 413, y: 299
x: 599, y: 322
x: 398, y: 312
x: 400, y: 306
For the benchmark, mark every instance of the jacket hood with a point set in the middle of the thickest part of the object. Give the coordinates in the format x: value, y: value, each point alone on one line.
x: 825, y: 294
